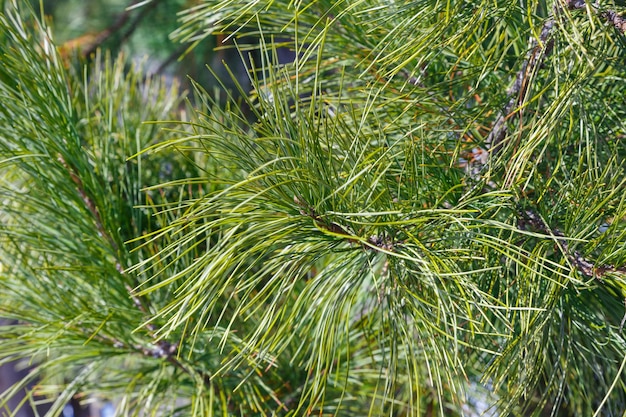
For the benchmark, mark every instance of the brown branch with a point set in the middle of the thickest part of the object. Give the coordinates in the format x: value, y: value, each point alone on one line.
x: 615, y: 19
x: 539, y: 50
x: 374, y: 242
x: 528, y: 217
x: 610, y: 16
x: 161, y: 348
x: 582, y: 264
x: 119, y: 23
x: 170, y: 59
x: 93, y: 209
x: 309, y: 211
x: 134, y: 24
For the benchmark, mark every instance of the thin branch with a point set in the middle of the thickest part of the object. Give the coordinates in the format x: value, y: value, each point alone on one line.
x: 93, y: 209
x: 161, y: 348
x: 528, y: 217
x: 539, y: 50
x: 610, y: 16
x: 170, y: 59
x: 119, y: 23
x: 615, y: 19
x: 134, y: 24
x: 374, y: 242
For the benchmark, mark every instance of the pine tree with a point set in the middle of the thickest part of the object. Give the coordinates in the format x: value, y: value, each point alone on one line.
x: 428, y: 203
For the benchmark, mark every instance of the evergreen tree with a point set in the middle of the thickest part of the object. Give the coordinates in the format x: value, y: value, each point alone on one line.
x: 428, y: 203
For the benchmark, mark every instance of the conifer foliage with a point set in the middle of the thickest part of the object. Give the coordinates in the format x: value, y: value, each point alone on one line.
x: 427, y: 204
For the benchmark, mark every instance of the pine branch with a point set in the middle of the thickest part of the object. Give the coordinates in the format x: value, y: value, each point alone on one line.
x: 374, y: 242
x: 615, y: 19
x: 529, y: 217
x: 119, y: 23
x: 610, y: 16
x: 378, y: 325
x: 162, y: 348
x: 539, y: 49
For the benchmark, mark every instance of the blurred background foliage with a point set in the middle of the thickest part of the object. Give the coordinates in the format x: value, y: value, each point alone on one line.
x: 142, y: 31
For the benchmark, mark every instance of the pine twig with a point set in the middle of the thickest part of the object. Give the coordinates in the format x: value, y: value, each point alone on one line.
x: 162, y: 348
x: 119, y: 23
x: 93, y: 209
x: 529, y: 217
x: 539, y: 50
x: 615, y: 19
x: 374, y: 242
x: 610, y: 16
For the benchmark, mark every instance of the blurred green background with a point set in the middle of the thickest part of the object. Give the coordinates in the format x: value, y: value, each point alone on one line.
x: 141, y: 30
